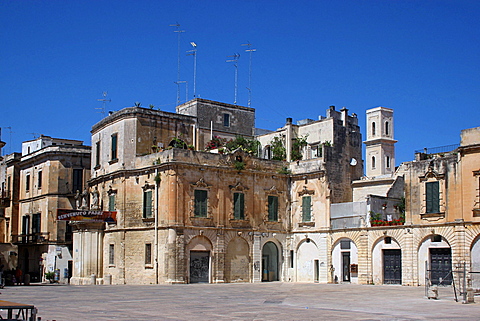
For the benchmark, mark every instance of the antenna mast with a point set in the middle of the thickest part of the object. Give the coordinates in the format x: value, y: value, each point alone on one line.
x: 249, y: 50
x: 179, y: 32
x: 104, y: 101
x: 235, y: 64
x: 194, y: 54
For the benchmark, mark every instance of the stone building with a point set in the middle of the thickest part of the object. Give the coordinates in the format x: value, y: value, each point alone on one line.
x: 49, y: 173
x: 187, y: 215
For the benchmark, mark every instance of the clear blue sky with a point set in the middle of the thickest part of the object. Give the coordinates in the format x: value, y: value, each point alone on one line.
x: 421, y: 58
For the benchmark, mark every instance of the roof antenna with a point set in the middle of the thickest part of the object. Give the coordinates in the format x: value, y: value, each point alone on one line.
x: 249, y: 50
x: 179, y: 32
x: 235, y: 64
x: 194, y: 54
x: 104, y: 101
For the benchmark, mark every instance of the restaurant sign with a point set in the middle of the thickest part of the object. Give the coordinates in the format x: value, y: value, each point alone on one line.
x: 85, y: 215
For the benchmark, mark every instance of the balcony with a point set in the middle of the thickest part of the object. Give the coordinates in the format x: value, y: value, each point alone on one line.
x: 34, y: 238
x: 4, y: 198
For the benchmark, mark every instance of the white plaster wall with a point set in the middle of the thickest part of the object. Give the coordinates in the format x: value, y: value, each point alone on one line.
x: 377, y: 259
x: 307, y: 253
x: 424, y: 256
x: 475, y: 255
x: 53, y: 262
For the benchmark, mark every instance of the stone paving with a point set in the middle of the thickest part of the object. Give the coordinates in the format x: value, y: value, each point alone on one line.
x: 245, y: 301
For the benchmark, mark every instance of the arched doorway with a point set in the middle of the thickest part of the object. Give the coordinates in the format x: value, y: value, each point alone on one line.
x: 307, y: 262
x: 387, y: 261
x: 475, y: 257
x: 345, y: 261
x: 237, y: 261
x: 435, y: 261
x: 270, y: 262
x: 198, y: 250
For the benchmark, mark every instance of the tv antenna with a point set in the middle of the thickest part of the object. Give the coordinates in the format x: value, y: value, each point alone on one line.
x: 234, y: 59
x: 179, y: 32
x: 178, y: 83
x: 194, y: 54
x: 249, y: 50
x: 104, y: 101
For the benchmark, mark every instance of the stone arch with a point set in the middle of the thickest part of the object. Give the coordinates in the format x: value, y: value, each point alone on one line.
x: 199, y: 254
x: 345, y: 260
x: 475, y: 262
x: 271, y: 260
x: 307, y: 261
x: 427, y: 245
x: 237, y: 260
x: 382, y: 248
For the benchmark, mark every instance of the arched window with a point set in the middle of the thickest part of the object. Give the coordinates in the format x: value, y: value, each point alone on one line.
x: 373, y: 161
x: 373, y: 128
x: 388, y: 161
x: 387, y: 128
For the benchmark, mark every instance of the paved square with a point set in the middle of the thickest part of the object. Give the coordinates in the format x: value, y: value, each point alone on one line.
x: 241, y: 301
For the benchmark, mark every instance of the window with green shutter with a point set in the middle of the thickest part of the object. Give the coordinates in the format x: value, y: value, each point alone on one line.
x: 306, y: 209
x: 201, y: 199
x: 111, y: 202
x: 147, y: 204
x: 114, y: 146
x: 432, y: 197
x: 272, y: 208
x: 239, y: 206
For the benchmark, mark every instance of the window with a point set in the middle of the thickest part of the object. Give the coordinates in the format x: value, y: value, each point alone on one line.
x: 147, y: 204
x: 292, y: 258
x: 97, y: 154
x: 77, y: 184
x: 345, y: 244
x: 27, y: 182
x: 201, y: 198
x: 306, y: 208
x: 432, y: 197
x: 226, y: 120
x: 36, y: 220
x: 238, y: 206
x: 26, y: 224
x: 373, y: 161
x: 387, y: 128
x: 111, y: 202
x: 373, y: 129
x: 148, y: 253
x: 114, y: 147
x: 388, y: 161
x: 39, y: 182
x: 273, y: 208
x: 111, y: 254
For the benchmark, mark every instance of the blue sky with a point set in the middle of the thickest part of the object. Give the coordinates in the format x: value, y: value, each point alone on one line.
x: 421, y: 58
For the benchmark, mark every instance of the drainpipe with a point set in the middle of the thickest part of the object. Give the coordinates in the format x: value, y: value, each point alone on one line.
x: 288, y: 139
x: 155, y: 246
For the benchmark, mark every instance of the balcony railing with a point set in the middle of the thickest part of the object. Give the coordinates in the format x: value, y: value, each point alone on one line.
x: 4, y: 198
x: 34, y: 238
x: 438, y: 150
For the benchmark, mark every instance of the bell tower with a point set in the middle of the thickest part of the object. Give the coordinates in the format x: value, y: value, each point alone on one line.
x: 380, y: 145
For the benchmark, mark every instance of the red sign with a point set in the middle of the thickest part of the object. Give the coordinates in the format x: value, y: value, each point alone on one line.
x: 82, y: 215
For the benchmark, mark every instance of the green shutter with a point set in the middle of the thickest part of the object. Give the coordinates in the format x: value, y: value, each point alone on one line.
x: 238, y: 203
x: 201, y: 199
x: 114, y: 146
x: 147, y: 204
x: 306, y: 208
x: 272, y: 208
x: 111, y: 203
x: 432, y: 197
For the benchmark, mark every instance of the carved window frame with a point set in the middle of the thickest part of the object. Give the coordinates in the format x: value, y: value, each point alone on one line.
x: 239, y: 188
x: 202, y: 186
x: 272, y: 192
x: 306, y: 193
x: 476, y: 202
x: 429, y: 177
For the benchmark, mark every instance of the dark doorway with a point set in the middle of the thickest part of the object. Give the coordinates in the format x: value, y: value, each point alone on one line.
x: 346, y: 266
x: 70, y: 270
x: 441, y: 266
x: 270, y: 262
x: 199, y: 266
x: 392, y: 266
